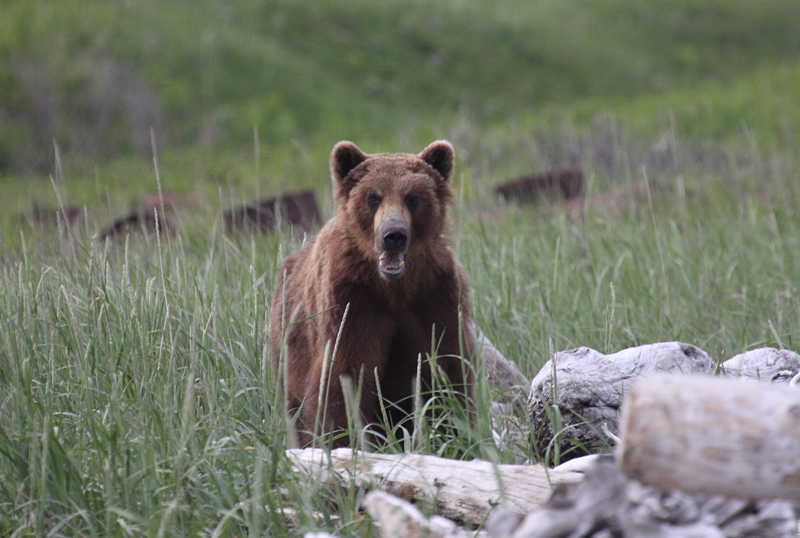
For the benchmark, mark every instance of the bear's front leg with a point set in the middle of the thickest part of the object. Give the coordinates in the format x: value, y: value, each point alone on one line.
x: 330, y: 416
x: 361, y: 352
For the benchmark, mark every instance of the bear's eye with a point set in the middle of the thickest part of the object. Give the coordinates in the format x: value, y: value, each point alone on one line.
x: 373, y: 201
x: 412, y: 201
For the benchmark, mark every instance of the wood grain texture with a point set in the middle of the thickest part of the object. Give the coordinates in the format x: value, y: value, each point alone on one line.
x: 708, y: 435
x: 464, y: 491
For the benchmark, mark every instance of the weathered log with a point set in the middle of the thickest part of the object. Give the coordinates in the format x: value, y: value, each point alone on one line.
x: 580, y: 465
x: 396, y: 518
x: 145, y: 222
x: 463, y: 491
x: 764, y: 364
x: 171, y: 200
x: 552, y: 185
x: 296, y: 209
x: 588, y: 386
x: 712, y: 436
x: 605, y: 504
x: 400, y: 519
x: 57, y: 217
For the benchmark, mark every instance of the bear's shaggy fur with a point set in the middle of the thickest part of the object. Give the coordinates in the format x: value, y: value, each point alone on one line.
x: 383, y: 259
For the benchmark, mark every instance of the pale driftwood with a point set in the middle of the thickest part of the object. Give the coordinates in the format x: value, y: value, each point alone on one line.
x: 463, y: 491
x: 713, y: 436
x: 579, y: 465
x: 763, y: 364
x: 399, y: 519
x: 605, y: 504
x: 571, y: 511
x: 588, y: 387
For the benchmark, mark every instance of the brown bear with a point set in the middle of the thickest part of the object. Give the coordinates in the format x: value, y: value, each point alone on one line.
x: 379, y: 285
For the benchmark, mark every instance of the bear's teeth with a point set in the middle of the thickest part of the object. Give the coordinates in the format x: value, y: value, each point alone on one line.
x: 392, y: 263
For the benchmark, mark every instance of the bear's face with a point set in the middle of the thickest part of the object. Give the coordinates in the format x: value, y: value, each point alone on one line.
x: 394, y: 201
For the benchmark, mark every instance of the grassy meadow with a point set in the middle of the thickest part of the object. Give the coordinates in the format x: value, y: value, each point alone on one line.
x: 136, y: 393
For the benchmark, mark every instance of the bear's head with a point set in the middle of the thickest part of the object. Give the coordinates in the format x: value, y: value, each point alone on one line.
x: 396, y: 203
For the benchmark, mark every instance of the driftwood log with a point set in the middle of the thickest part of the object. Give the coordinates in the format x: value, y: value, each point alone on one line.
x: 462, y: 491
x: 713, y: 436
x: 400, y: 519
x: 145, y: 222
x: 56, y: 217
x: 760, y: 425
x: 552, y: 185
x: 296, y: 209
x: 587, y: 387
x: 171, y: 200
x: 396, y: 518
x: 764, y: 364
x: 605, y: 505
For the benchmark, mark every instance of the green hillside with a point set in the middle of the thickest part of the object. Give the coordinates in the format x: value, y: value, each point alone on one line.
x: 95, y: 76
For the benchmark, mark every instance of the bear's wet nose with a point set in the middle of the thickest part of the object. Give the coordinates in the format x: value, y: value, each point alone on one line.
x: 395, y: 239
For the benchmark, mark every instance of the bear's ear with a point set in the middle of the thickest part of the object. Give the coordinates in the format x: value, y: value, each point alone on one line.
x: 344, y: 158
x: 440, y: 156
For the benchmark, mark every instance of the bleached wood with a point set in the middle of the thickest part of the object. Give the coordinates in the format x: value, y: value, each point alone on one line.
x: 400, y: 519
x: 606, y: 504
x: 464, y: 491
x: 579, y: 465
x: 713, y: 436
x: 588, y: 388
x: 763, y: 364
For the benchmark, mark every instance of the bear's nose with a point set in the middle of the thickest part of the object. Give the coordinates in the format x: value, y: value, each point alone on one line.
x: 395, y: 239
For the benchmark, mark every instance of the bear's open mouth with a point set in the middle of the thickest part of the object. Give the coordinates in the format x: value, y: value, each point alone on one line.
x: 392, y: 263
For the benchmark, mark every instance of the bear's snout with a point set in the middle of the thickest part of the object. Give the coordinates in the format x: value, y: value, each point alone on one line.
x: 391, y: 242
x: 395, y: 238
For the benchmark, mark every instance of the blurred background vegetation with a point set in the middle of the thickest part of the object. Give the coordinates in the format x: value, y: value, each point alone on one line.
x: 251, y: 95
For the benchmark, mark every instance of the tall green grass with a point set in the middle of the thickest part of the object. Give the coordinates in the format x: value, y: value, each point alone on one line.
x: 136, y: 392
x: 136, y: 400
